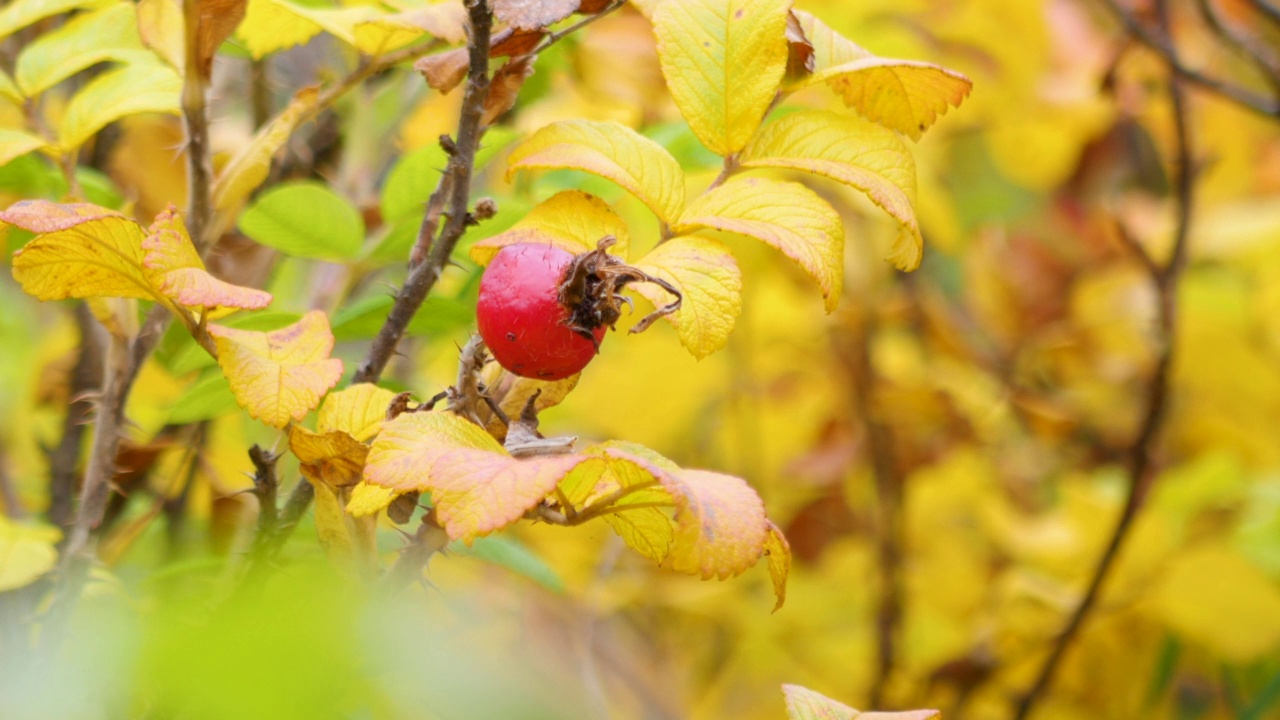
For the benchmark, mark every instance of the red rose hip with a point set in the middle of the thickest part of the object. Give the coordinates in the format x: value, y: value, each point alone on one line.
x: 521, y: 318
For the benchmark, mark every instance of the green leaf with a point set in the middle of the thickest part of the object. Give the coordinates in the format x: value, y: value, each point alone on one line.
x: 723, y: 61
x: 415, y: 176
x: 15, y: 143
x: 513, y: 555
x: 305, y: 219
x: 138, y: 88
x: 208, y: 398
x: 88, y: 39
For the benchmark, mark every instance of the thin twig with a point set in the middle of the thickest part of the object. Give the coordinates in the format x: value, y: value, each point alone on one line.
x: 86, y: 377
x: 195, y: 88
x: 458, y: 177
x: 1142, y: 452
x: 1243, y: 45
x: 1160, y: 42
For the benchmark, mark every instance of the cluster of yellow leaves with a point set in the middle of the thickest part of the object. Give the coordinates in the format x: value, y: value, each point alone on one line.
x: 695, y: 522
x: 137, y: 81
x: 726, y: 64
x: 86, y: 251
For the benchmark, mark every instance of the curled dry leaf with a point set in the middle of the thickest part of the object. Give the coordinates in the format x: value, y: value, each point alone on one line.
x: 533, y: 14
x: 443, y: 71
x: 504, y: 88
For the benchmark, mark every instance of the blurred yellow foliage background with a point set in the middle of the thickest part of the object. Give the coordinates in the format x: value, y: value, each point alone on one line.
x: 1003, y: 384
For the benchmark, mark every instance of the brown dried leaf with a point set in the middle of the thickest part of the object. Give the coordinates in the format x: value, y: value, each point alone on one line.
x: 218, y: 19
x: 505, y: 88
x: 444, y: 71
x: 800, y: 56
x: 533, y: 14
x: 511, y: 42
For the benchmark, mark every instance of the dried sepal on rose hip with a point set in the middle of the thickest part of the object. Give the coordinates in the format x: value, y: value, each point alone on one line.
x: 543, y: 311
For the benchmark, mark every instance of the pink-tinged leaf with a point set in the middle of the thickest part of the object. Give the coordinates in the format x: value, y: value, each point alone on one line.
x: 720, y: 524
x: 404, y: 451
x: 805, y: 704
x: 476, y: 492
x: 177, y: 271
x: 279, y: 376
x: 533, y: 14
x: 81, y: 251
x: 778, y: 551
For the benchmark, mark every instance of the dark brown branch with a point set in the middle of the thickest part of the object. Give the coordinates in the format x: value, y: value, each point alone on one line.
x: 1160, y: 42
x: 1266, y: 9
x: 195, y: 117
x: 456, y: 184
x: 265, y: 487
x: 429, y: 539
x: 86, y: 378
x: 1142, y: 452
x: 1243, y: 45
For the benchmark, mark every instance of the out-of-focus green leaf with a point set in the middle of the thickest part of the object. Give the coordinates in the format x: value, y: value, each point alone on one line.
x: 305, y: 219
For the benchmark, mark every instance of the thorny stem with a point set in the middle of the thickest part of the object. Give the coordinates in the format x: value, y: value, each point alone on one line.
x: 1141, y: 453
x: 1161, y: 42
x: 195, y: 115
x: 429, y: 539
x: 457, y: 176
x: 85, y: 378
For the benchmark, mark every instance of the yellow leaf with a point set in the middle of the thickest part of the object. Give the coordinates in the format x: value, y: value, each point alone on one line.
x: 786, y: 215
x: 723, y: 61
x: 405, y: 448
x: 778, y: 550
x: 903, y: 95
x: 720, y: 524
x: 15, y: 143
x: 8, y: 89
x: 707, y: 276
x: 830, y: 48
x: 161, y: 27
x: 342, y: 535
x: 612, y: 151
x: 367, y: 499
x: 249, y: 167
x: 475, y: 486
x: 476, y: 492
x: 279, y: 376
x: 88, y: 39
x: 175, y: 269
x: 270, y: 25
x: 26, y: 552
x: 571, y: 219
x: 18, y: 14
x: 643, y: 520
x: 357, y: 410
x: 853, y: 151
x: 512, y: 392
x: 81, y: 251
x: 333, y: 458
x: 1217, y: 598
x: 446, y: 21
x: 137, y: 88
x: 805, y: 704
